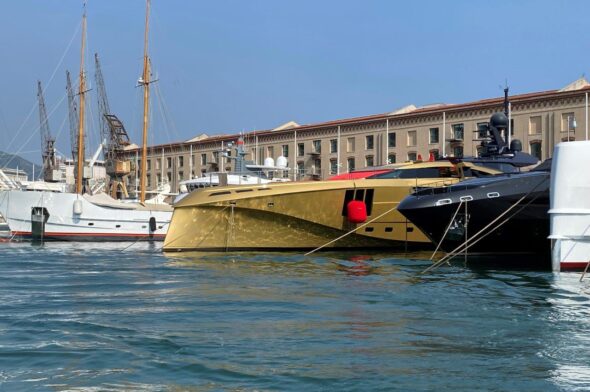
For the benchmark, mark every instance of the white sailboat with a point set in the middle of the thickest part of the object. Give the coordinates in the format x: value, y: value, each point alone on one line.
x: 82, y: 217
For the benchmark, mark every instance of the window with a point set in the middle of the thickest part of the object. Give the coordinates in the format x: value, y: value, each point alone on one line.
x: 391, y: 139
x: 411, y: 138
x: 391, y: 158
x: 534, y: 125
x: 434, y: 154
x: 149, y: 181
x: 333, y: 146
x: 458, y: 131
x: 317, y: 146
x: 169, y: 177
x: 350, y: 144
x: 270, y: 152
x: 369, y: 139
x: 203, y: 159
x: 149, y: 164
x: 180, y: 161
x: 458, y: 151
x: 285, y: 150
x: 300, y: 149
x: 215, y: 157
x: 159, y: 179
x: 433, y: 135
x: 482, y: 130
x: 317, y: 164
x: 168, y: 162
x: 535, y: 149
x: 181, y: 175
x: 412, y: 156
x: 333, y: 166
x: 300, y: 169
x: 369, y: 161
x: 158, y: 164
x: 568, y: 122
x: 350, y: 164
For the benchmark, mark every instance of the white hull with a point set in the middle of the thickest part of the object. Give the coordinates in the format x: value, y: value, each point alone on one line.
x: 94, y: 222
x: 570, y: 206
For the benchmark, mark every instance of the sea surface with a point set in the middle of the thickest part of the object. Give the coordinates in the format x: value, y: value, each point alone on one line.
x: 121, y: 317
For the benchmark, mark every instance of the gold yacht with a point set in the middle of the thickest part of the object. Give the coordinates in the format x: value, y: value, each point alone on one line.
x: 306, y: 215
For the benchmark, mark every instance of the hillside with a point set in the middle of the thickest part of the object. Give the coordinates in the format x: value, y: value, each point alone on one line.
x: 14, y: 161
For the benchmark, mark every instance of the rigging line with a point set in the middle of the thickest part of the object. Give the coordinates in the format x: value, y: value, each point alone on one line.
x: 46, y: 86
x: 447, y: 230
x: 467, y: 243
x: 33, y: 133
x: 350, y: 232
x: 166, y: 111
x: 163, y: 114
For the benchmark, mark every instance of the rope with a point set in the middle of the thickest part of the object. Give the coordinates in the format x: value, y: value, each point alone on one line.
x: 585, y: 270
x: 350, y: 232
x: 46, y: 86
x: 447, y: 230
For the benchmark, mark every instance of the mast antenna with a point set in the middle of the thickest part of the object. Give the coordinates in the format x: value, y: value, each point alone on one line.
x: 145, y: 81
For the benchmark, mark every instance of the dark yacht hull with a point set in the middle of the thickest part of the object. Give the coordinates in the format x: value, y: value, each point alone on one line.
x: 518, y: 237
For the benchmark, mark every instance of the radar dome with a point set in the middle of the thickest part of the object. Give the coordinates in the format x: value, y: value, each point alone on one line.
x: 516, y: 145
x: 282, y: 161
x: 499, y: 120
x: 269, y: 161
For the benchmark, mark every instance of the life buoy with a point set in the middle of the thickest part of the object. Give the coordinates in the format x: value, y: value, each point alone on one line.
x: 356, y: 211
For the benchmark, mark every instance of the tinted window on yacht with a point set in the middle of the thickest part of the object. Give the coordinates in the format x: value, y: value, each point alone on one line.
x: 426, y: 172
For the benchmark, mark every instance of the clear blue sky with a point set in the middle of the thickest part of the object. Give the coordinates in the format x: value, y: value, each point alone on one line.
x: 230, y: 66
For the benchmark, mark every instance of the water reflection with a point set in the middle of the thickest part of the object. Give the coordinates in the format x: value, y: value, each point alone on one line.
x: 569, y: 343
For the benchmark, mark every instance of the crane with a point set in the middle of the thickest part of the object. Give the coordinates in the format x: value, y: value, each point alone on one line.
x: 115, y: 135
x: 47, y: 141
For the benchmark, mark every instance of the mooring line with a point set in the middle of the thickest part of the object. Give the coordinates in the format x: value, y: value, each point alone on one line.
x: 447, y: 230
x: 350, y: 232
x: 585, y: 270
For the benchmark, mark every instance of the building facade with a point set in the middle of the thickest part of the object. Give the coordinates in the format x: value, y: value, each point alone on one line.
x: 539, y: 120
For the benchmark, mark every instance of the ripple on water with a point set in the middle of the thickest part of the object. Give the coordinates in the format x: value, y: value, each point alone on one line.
x: 98, y: 317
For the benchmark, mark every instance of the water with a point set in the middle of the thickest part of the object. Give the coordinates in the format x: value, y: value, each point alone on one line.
x: 93, y: 317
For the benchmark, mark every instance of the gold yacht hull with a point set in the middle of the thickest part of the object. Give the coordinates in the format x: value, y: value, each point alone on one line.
x: 296, y: 216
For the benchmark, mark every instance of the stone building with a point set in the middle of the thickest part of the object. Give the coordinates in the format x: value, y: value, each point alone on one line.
x: 316, y: 151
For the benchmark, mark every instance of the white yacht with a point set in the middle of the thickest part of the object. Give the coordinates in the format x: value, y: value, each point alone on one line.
x: 50, y: 215
x: 570, y: 206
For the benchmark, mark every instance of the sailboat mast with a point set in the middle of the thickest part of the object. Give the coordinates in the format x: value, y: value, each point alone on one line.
x: 146, y: 100
x: 81, y: 92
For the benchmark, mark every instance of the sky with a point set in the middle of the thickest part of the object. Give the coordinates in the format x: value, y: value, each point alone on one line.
x: 224, y: 67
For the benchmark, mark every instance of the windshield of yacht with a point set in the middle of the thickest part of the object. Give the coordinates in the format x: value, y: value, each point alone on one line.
x: 430, y: 172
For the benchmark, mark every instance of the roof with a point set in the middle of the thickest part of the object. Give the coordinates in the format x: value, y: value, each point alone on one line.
x: 574, y: 88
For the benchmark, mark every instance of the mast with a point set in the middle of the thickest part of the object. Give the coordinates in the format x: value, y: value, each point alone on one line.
x: 146, y: 97
x: 81, y: 92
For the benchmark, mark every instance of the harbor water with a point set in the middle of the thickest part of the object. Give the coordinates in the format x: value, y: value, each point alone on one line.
x: 102, y: 317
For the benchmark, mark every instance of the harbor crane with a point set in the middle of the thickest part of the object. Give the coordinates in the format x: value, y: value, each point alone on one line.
x: 49, y: 171
x: 115, y: 140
